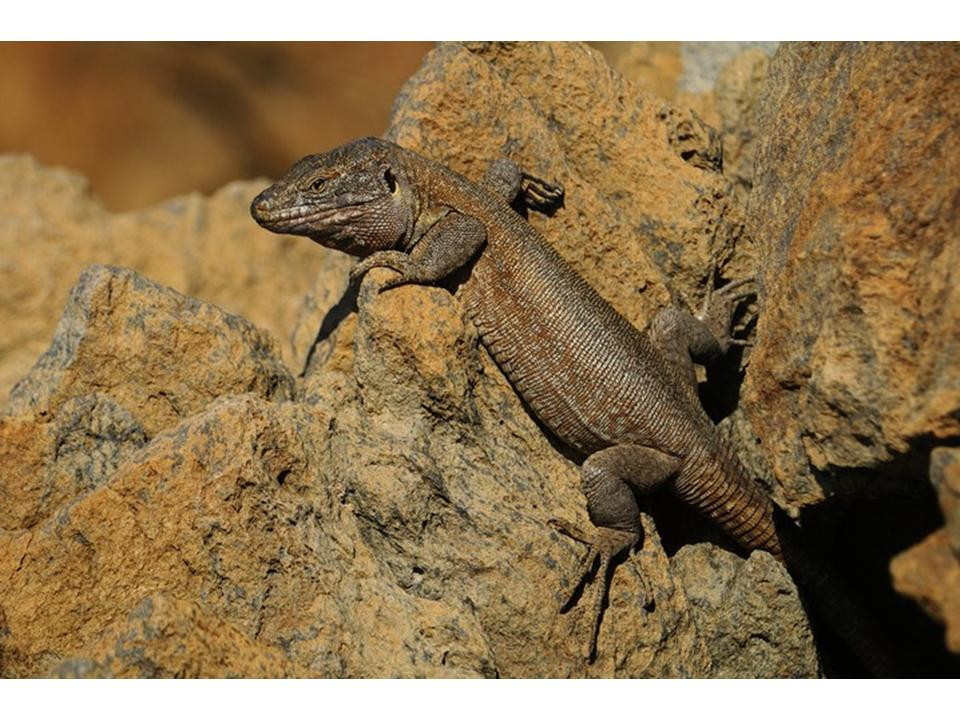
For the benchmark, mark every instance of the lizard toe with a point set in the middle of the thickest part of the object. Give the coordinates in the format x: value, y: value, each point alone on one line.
x: 606, y: 544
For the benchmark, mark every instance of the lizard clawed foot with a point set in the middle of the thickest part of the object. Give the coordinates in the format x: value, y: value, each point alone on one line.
x: 605, y: 545
x: 394, y: 259
x: 719, y: 306
x: 539, y: 194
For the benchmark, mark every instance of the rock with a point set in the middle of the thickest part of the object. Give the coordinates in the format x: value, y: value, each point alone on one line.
x: 719, y: 82
x: 46, y: 462
x: 178, y: 118
x: 704, y: 63
x: 679, y: 71
x: 945, y: 476
x: 692, y: 139
x: 653, y: 66
x: 208, y: 248
x: 129, y: 359
x: 736, y: 99
x: 230, y: 510
x: 929, y: 572
x: 158, y: 354
x: 854, y: 210
x: 644, y: 208
x: 735, y: 604
x: 167, y: 638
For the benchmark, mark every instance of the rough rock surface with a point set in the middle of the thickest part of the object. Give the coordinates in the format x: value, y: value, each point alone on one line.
x: 719, y: 81
x: 47, y: 460
x: 736, y: 99
x: 166, y: 638
x: 51, y: 228
x: 390, y: 518
x: 733, y: 604
x: 854, y: 206
x: 160, y: 355
x: 129, y: 358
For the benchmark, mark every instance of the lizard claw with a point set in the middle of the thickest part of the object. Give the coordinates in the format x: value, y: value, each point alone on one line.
x: 393, y: 259
x: 539, y: 194
x: 605, y: 545
x: 393, y: 282
x: 734, y: 284
x: 719, y: 306
x: 726, y: 296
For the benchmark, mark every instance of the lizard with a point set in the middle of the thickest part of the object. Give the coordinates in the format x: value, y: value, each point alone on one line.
x: 623, y: 400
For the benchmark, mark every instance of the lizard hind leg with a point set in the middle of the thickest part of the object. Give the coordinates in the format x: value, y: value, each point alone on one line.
x: 609, y: 478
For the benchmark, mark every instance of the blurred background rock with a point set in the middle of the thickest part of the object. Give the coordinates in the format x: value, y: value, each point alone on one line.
x: 147, y: 121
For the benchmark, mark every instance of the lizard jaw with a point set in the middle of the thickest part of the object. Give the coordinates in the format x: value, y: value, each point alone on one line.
x: 299, y: 219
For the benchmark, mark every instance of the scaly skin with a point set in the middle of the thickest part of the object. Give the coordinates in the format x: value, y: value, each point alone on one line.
x: 624, y: 400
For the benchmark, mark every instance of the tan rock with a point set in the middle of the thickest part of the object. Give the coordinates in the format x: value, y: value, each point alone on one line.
x: 854, y: 207
x: 653, y: 66
x: 52, y: 229
x: 729, y: 103
x: 929, y: 572
x: 129, y: 359
x: 737, y: 97
x: 945, y: 477
x: 160, y: 355
x: 228, y: 510
x: 167, y: 638
x: 47, y: 461
x: 735, y: 603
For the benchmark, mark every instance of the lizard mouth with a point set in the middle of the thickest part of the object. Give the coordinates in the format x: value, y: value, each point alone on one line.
x: 300, y: 219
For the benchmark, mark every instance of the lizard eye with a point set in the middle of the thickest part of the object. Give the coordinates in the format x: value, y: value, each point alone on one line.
x: 390, y: 180
x: 318, y: 184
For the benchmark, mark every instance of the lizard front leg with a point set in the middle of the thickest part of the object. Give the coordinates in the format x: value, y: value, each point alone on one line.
x: 507, y: 179
x: 609, y: 478
x: 447, y: 246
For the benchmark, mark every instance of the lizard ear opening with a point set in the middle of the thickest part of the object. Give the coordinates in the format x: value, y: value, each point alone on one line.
x: 391, y: 181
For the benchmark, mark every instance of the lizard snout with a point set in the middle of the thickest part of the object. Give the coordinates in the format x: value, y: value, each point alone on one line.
x: 261, y: 205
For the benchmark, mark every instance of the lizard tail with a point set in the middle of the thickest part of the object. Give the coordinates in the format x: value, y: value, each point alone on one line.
x: 718, y: 487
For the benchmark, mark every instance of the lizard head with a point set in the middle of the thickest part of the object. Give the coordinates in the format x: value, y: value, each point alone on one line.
x: 354, y: 199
